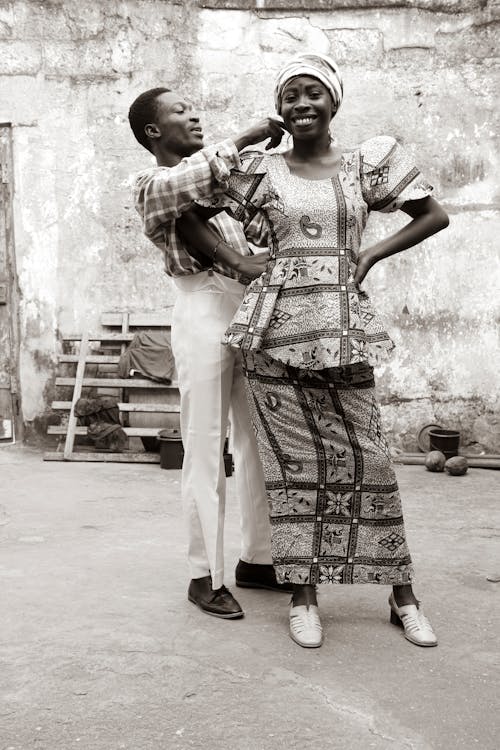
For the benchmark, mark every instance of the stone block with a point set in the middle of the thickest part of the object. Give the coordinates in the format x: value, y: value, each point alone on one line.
x: 6, y: 21
x: 87, y: 59
x: 40, y: 21
x: 166, y: 18
x: 162, y: 59
x: 408, y: 29
x: 222, y: 31
x: 19, y: 58
x: 475, y: 44
x: 403, y: 421
x: 459, y: 414
x: 356, y: 46
x: 22, y: 100
x: 88, y: 20
x: 286, y: 36
x: 122, y: 52
x: 411, y: 58
x: 486, y: 430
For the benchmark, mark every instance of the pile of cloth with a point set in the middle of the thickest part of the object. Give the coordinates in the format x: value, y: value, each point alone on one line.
x: 148, y: 355
x: 101, y: 416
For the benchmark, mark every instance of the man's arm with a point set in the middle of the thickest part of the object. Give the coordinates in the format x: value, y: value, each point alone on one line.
x: 195, y: 233
x: 161, y: 194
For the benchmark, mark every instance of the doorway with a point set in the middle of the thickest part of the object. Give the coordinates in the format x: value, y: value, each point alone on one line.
x: 10, y: 406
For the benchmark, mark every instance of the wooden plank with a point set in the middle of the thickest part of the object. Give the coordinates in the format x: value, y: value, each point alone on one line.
x: 116, y: 383
x: 77, y: 392
x: 102, y: 336
x: 95, y: 359
x: 125, y: 457
x: 130, y: 431
x: 474, y: 462
x: 154, y: 319
x: 160, y: 408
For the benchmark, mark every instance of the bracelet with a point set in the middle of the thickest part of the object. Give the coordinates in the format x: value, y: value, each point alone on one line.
x: 214, y: 251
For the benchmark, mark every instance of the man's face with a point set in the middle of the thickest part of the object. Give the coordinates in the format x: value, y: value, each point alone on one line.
x: 177, y: 125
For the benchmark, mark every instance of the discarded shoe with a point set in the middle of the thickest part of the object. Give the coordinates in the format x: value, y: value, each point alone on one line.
x: 416, y: 626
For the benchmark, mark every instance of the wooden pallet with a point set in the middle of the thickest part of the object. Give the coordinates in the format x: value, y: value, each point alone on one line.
x: 115, y: 335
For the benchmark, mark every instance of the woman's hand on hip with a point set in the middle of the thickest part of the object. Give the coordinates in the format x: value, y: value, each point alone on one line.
x: 366, y: 260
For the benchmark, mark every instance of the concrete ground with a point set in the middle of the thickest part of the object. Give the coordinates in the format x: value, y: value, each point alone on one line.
x: 100, y: 649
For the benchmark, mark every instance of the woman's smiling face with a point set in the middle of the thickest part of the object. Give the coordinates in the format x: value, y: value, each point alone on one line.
x: 306, y: 107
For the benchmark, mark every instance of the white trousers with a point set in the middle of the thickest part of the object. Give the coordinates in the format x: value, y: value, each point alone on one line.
x: 212, y: 389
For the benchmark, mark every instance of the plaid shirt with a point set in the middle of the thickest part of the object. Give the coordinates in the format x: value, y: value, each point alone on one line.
x: 162, y: 194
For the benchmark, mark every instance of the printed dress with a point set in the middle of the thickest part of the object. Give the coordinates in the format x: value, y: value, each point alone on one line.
x: 309, y: 338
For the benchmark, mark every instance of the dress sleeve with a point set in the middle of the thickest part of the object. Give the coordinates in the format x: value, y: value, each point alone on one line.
x: 389, y: 176
x: 245, y: 197
x: 162, y: 194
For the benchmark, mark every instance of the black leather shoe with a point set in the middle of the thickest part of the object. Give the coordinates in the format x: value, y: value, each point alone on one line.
x: 218, y: 602
x: 254, y: 576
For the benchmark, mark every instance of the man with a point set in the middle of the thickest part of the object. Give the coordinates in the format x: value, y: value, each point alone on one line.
x: 206, y: 270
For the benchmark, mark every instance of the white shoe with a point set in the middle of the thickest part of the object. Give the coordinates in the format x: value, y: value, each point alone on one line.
x: 305, y: 626
x: 417, y: 628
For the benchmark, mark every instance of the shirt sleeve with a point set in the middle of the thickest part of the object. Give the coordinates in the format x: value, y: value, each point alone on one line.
x: 245, y: 197
x: 389, y: 176
x: 161, y: 194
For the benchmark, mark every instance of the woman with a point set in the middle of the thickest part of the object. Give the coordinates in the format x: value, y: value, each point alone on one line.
x: 310, y: 338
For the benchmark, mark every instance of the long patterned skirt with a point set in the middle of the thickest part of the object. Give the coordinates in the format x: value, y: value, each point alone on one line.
x: 334, y: 502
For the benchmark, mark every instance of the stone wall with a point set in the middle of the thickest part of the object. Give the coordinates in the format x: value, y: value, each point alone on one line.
x: 425, y: 72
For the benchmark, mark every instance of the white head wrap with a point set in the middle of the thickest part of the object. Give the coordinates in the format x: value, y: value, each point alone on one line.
x: 313, y: 64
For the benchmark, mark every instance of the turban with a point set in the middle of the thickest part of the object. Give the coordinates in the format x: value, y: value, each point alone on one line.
x: 318, y: 66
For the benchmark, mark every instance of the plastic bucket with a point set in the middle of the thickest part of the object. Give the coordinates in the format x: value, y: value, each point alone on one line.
x: 446, y: 441
x: 171, y: 449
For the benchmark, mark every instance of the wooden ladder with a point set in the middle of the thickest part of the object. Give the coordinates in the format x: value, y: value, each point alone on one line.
x: 116, y: 334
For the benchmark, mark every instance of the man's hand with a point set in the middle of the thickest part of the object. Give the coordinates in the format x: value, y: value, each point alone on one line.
x: 269, y: 127
x: 250, y: 267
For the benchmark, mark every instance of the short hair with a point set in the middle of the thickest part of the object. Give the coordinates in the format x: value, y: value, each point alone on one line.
x: 143, y: 111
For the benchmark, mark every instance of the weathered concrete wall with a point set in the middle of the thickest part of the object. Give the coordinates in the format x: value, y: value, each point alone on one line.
x: 425, y: 72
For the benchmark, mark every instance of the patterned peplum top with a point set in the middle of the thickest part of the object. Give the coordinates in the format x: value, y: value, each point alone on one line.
x: 305, y: 310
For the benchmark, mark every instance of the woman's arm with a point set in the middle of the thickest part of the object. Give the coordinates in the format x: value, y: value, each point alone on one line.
x: 196, y: 234
x: 428, y: 218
